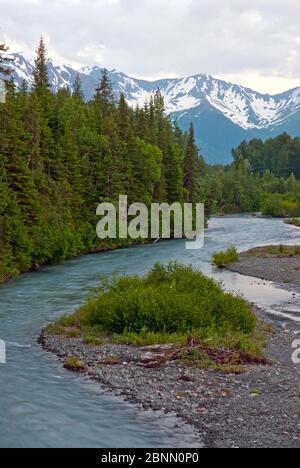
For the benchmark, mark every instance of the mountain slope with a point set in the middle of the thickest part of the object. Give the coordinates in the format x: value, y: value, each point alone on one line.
x: 223, y: 113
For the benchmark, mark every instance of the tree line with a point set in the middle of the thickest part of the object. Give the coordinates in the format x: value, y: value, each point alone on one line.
x: 280, y: 155
x: 61, y: 156
x: 241, y: 188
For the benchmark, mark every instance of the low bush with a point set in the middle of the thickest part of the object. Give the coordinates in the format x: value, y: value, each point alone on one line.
x: 74, y: 364
x: 280, y: 206
x: 167, y: 305
x: 221, y: 259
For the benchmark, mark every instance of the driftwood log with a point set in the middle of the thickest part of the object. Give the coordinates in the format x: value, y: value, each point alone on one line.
x: 156, y: 356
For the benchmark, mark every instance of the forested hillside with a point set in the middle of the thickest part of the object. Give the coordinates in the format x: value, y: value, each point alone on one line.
x: 60, y: 157
x: 223, y: 113
x: 253, y: 183
x: 280, y: 155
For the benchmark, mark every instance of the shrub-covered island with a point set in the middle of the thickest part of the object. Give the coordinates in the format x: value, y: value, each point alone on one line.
x: 175, y: 342
x: 173, y: 305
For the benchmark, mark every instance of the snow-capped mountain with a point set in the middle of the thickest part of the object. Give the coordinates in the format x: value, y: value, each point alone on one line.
x: 223, y: 113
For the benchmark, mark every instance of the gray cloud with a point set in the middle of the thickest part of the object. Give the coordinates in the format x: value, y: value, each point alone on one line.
x: 155, y: 38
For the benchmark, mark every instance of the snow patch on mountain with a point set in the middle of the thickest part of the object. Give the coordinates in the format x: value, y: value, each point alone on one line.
x: 223, y: 113
x: 242, y: 106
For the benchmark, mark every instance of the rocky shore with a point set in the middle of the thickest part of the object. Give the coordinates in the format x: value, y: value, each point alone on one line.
x: 257, y: 408
x: 283, y: 270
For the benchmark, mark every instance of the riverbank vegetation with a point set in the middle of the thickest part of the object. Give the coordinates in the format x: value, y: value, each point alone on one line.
x: 255, y: 183
x: 226, y: 258
x: 169, y: 305
x: 293, y: 222
x: 61, y: 156
x: 221, y: 259
x: 278, y: 251
x: 277, y: 263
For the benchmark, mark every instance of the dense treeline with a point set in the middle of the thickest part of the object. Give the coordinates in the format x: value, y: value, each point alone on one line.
x: 60, y: 157
x: 264, y: 176
x: 240, y: 188
x: 280, y: 155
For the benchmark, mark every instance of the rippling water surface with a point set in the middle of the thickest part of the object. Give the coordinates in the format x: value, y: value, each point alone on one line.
x: 42, y: 405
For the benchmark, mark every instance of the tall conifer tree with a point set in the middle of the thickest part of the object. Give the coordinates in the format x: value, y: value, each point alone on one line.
x: 41, y: 81
x: 77, y: 89
x: 191, y: 166
x: 4, y: 61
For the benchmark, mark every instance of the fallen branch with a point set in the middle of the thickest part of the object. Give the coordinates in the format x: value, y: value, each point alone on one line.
x: 159, y: 355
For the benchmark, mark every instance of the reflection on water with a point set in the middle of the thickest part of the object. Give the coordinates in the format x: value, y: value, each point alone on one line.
x: 42, y: 405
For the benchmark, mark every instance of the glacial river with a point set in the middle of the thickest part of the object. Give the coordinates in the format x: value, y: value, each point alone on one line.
x: 43, y: 405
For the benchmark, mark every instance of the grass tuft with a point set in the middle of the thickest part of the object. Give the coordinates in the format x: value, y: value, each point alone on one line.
x: 74, y: 364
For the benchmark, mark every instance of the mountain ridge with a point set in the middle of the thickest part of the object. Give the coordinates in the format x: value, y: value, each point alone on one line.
x: 223, y: 113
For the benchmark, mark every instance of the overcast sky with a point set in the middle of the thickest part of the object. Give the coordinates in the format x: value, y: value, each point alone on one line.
x: 254, y: 43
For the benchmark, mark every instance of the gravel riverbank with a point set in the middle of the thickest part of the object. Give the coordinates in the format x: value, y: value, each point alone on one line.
x: 259, y: 408
x: 285, y: 271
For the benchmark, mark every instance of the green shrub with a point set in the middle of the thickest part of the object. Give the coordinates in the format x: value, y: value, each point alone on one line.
x: 74, y: 364
x: 280, y: 206
x: 221, y: 259
x: 170, y: 300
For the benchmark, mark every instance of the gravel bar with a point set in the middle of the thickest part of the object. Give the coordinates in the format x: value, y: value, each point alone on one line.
x: 258, y: 409
x: 284, y: 271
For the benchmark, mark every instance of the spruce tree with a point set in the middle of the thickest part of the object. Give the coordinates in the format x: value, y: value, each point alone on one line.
x: 159, y: 104
x: 77, y: 89
x: 5, y: 247
x: 104, y: 96
x: 106, y: 89
x: 191, y: 167
x: 4, y: 69
x: 13, y: 146
x: 41, y: 82
x: 124, y: 120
